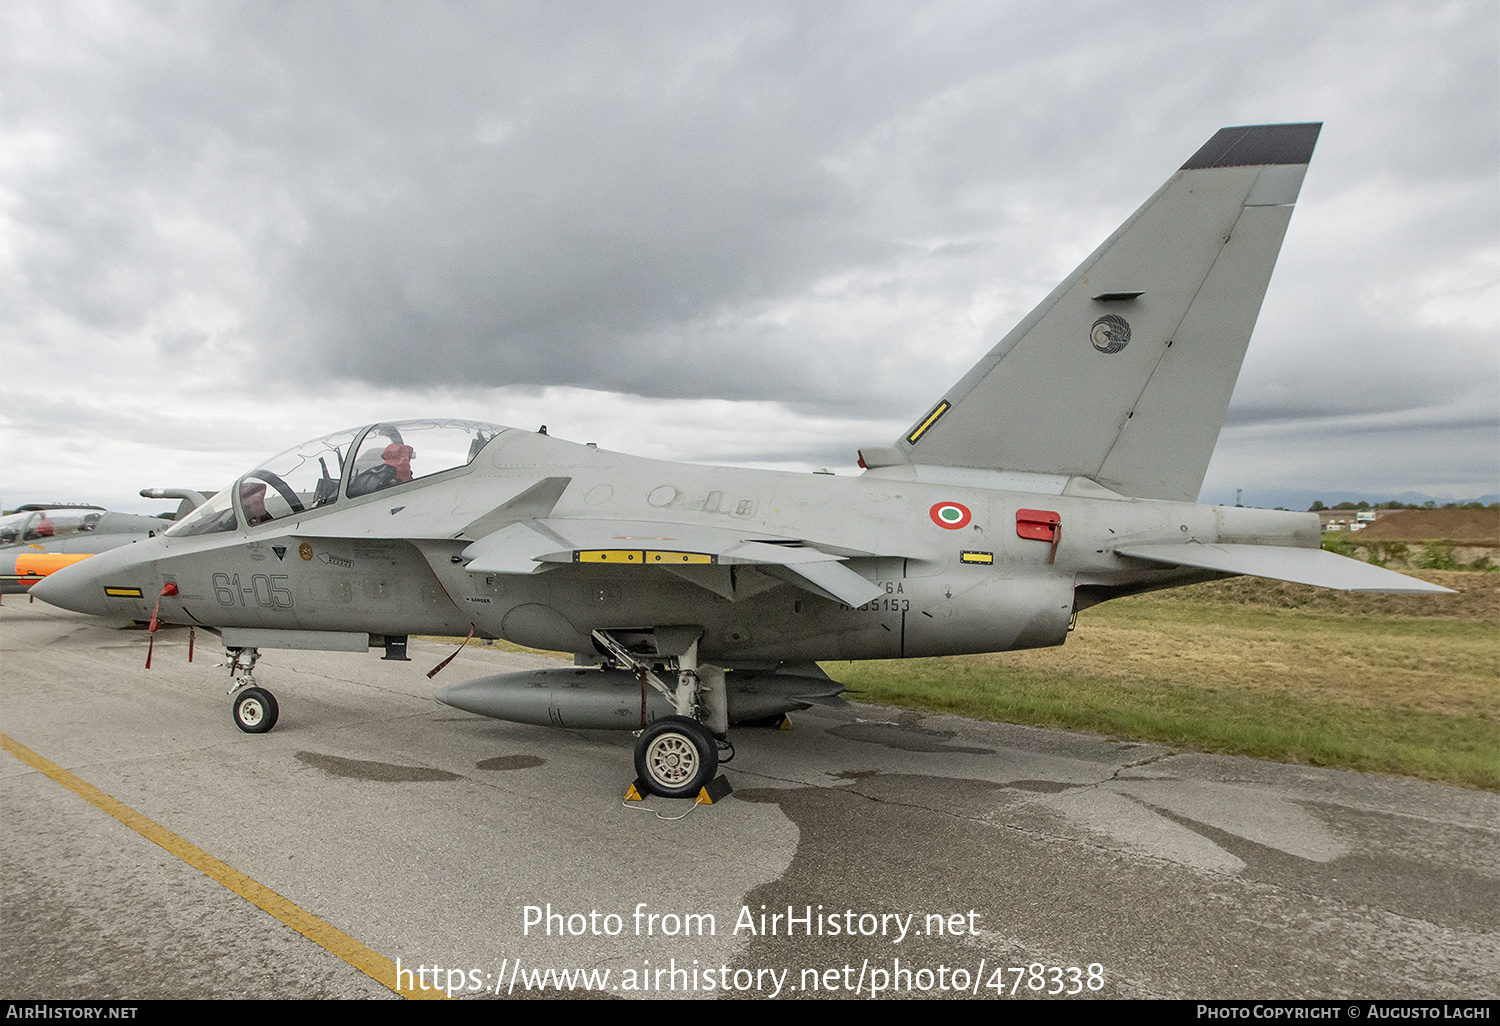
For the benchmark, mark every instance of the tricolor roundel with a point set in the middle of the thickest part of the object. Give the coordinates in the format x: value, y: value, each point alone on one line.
x: 951, y: 515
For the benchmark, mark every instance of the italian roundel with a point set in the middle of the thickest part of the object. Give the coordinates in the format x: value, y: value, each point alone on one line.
x: 951, y: 515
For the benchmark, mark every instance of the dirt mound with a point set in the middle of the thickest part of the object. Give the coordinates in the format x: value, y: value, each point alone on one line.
x: 1478, y: 597
x: 1460, y: 526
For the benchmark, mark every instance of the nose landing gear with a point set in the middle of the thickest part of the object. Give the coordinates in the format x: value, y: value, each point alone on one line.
x: 254, y: 709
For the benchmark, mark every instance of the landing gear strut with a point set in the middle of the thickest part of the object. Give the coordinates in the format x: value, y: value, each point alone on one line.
x: 254, y: 709
x: 677, y: 756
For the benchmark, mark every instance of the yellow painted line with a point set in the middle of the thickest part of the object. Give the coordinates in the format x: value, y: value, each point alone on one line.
x: 635, y: 556
x: 679, y: 557
x: 373, y: 964
x: 921, y: 429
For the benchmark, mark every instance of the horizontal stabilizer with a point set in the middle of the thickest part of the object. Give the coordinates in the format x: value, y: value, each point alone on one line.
x: 1317, y: 567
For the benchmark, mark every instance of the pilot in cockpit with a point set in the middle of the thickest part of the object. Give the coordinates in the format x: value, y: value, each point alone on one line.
x: 253, y: 499
x: 393, y: 468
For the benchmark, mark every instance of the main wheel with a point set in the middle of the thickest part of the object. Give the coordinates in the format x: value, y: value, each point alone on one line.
x: 255, y: 710
x: 675, y: 757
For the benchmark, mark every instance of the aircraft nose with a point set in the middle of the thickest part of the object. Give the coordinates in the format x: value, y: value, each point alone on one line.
x: 85, y: 586
x: 73, y: 587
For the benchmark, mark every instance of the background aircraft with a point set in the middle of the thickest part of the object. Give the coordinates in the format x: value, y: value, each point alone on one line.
x: 38, y: 538
x: 1061, y: 471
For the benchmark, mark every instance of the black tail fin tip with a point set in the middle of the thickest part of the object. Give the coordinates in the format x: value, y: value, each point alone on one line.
x: 1257, y: 145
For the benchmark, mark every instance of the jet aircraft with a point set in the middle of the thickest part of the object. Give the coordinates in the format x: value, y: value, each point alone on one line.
x: 38, y: 538
x: 1061, y: 471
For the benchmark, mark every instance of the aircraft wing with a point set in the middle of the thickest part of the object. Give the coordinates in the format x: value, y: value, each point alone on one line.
x: 538, y: 545
x: 444, y: 511
x: 1283, y: 563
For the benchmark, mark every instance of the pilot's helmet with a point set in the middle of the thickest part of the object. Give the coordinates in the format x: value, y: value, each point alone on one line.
x: 399, y: 456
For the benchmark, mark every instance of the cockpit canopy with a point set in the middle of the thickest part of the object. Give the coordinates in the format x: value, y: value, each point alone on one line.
x: 40, y: 524
x: 352, y: 463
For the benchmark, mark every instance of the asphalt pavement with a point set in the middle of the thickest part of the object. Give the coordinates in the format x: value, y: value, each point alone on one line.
x: 866, y: 851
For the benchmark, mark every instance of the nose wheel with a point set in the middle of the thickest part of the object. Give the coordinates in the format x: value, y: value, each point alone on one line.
x: 255, y: 710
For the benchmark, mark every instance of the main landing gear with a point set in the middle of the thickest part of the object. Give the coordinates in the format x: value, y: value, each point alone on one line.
x: 676, y: 756
x: 254, y: 709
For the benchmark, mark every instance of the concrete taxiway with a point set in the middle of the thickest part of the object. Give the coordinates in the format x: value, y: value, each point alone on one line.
x: 426, y: 834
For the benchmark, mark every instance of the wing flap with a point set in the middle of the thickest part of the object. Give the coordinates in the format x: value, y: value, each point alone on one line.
x: 1283, y: 563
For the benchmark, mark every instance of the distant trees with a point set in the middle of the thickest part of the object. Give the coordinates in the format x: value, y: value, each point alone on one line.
x: 1318, y: 505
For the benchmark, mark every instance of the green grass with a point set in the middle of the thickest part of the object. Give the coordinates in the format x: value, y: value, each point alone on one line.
x: 1395, y: 684
x: 1459, y: 749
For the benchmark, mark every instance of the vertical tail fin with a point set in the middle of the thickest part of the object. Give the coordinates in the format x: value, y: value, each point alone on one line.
x: 1123, y: 374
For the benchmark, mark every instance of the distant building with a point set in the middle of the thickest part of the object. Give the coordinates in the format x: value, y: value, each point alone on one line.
x: 1351, y: 519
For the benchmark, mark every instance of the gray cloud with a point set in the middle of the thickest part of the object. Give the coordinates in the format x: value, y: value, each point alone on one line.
x: 837, y: 207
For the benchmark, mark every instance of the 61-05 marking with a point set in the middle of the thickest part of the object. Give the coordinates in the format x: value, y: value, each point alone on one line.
x: 266, y: 589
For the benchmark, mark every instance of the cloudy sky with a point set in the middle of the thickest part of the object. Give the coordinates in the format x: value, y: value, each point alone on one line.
x: 756, y: 233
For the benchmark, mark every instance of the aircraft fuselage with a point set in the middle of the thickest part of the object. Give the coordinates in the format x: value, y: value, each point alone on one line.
x: 945, y: 589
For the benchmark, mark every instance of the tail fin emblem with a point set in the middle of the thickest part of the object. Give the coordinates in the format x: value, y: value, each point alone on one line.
x: 1110, y: 333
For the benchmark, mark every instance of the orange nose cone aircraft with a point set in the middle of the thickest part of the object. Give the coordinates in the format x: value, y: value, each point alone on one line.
x: 39, y: 539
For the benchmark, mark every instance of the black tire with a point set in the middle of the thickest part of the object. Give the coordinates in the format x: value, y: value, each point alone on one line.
x: 675, y: 757
x: 255, y: 710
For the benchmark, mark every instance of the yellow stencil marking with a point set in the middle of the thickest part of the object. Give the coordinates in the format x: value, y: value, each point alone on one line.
x: 679, y: 557
x: 608, y: 556
x: 937, y: 411
x: 373, y: 964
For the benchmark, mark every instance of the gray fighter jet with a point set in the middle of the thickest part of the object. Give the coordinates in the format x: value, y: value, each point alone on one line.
x: 40, y: 538
x: 1062, y: 471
